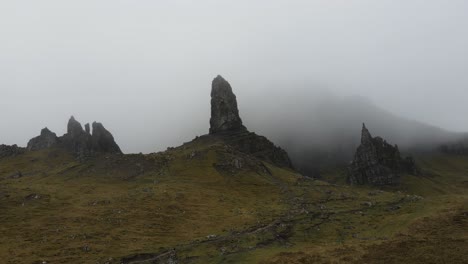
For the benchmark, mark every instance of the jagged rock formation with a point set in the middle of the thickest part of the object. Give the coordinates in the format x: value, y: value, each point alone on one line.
x: 224, y: 111
x: 102, y: 140
x: 46, y: 139
x: 88, y: 131
x: 226, y: 124
x: 76, y: 139
x: 81, y: 142
x: 378, y: 163
x: 13, y: 150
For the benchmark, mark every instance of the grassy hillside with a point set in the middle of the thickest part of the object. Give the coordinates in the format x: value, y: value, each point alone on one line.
x: 204, y: 202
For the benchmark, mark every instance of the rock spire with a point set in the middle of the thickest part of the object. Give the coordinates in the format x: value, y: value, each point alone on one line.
x: 224, y: 112
x: 77, y: 140
x: 378, y: 163
x: 226, y: 124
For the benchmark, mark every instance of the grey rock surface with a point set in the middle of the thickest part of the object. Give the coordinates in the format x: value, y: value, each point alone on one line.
x: 378, y: 163
x: 81, y: 142
x: 8, y: 151
x: 259, y: 147
x: 76, y: 139
x: 226, y: 124
x: 102, y: 140
x: 459, y: 147
x: 224, y: 110
x: 46, y: 139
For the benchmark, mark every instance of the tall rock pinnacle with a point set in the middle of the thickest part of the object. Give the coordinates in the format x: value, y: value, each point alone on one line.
x: 224, y: 112
x: 226, y: 124
x: 74, y: 127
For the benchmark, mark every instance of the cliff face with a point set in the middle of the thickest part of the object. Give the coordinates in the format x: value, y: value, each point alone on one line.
x: 378, y: 163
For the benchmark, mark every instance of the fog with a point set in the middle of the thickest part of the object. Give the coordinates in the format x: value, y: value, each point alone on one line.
x: 301, y: 70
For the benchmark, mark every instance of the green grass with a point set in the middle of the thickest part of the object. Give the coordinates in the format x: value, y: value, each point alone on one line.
x: 109, y: 207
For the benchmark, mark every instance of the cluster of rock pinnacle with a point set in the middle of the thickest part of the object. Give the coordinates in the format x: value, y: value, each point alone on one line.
x: 81, y: 142
x: 376, y: 162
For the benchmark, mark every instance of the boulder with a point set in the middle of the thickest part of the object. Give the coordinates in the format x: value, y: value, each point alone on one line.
x: 378, y: 163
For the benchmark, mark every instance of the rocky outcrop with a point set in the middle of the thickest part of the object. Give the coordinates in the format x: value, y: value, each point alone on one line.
x: 259, y: 147
x: 46, y: 139
x: 224, y: 112
x: 102, y: 140
x: 378, y: 163
x: 81, y: 142
x: 76, y: 139
x: 226, y: 124
x: 10, y: 151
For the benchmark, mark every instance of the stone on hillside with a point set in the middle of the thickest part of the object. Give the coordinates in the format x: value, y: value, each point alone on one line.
x: 13, y: 150
x: 45, y: 140
x: 378, y: 163
x: 224, y: 112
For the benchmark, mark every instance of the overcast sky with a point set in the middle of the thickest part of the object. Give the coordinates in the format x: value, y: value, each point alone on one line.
x: 144, y: 68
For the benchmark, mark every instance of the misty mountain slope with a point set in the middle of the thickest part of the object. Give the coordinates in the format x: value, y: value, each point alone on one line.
x: 319, y: 129
x: 205, y: 202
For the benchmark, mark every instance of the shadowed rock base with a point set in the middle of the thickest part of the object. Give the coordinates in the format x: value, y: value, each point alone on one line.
x: 257, y: 146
